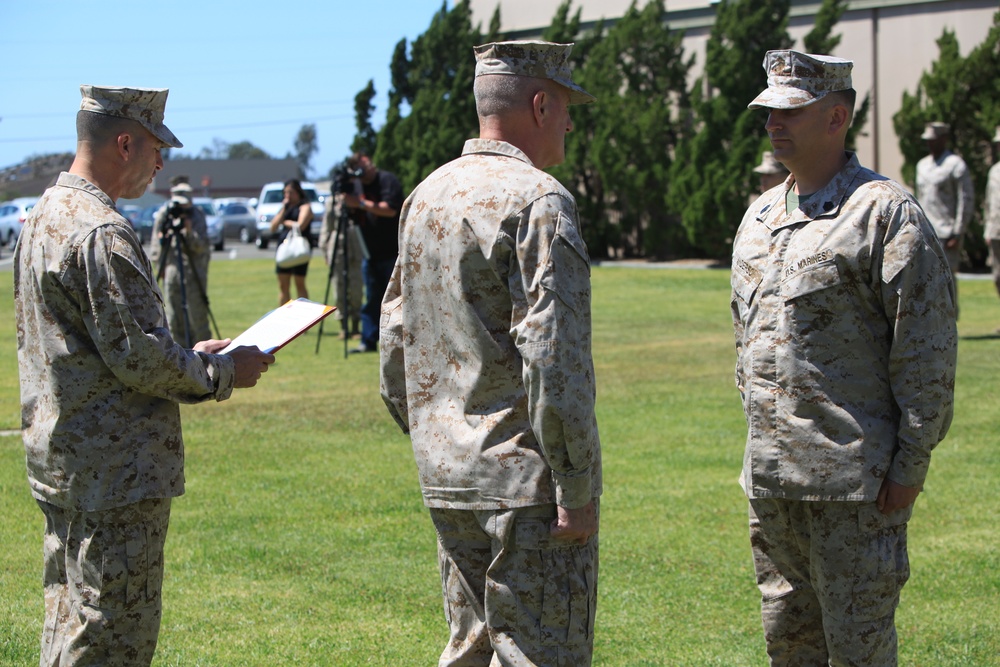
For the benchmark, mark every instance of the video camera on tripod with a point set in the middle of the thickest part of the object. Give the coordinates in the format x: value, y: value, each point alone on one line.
x: 177, y: 210
x: 343, y: 174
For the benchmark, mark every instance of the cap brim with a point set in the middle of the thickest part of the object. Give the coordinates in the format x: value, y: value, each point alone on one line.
x: 783, y: 97
x: 577, y: 95
x: 166, y: 136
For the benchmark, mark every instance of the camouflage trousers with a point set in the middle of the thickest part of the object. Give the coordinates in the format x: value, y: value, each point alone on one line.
x: 513, y: 596
x: 830, y: 574
x: 103, y: 576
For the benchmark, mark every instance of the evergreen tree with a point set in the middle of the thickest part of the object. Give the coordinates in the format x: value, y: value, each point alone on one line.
x: 305, y: 148
x: 637, y: 72
x: 579, y: 172
x: 365, y: 139
x: 711, y: 173
x: 244, y: 150
x: 434, y: 84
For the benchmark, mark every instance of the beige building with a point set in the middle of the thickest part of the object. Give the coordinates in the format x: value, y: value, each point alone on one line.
x: 892, y: 42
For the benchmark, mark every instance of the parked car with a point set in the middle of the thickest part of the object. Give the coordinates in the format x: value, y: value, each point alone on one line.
x: 13, y: 213
x: 143, y: 223
x: 215, y: 236
x: 239, y: 221
x: 270, y: 201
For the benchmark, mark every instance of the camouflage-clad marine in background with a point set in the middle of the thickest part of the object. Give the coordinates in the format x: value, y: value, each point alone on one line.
x: 486, y: 363
x: 843, y: 310
x: 991, y: 215
x: 100, y: 381
x: 945, y: 192
x: 196, y: 254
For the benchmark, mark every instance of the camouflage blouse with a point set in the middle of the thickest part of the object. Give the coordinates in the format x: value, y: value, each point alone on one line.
x: 486, y: 336
x: 844, y: 314
x: 100, y: 375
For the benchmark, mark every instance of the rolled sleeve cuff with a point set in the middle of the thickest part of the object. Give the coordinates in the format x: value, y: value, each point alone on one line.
x: 222, y: 371
x: 573, y: 491
x: 910, y: 471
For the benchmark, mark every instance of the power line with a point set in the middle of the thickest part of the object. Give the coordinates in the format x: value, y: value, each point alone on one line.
x: 241, y: 107
x: 182, y: 130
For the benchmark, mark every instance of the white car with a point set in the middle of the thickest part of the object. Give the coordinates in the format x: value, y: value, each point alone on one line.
x: 269, y: 202
x: 13, y: 213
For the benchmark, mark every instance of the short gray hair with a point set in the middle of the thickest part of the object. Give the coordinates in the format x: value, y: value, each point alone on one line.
x: 99, y: 128
x: 497, y: 94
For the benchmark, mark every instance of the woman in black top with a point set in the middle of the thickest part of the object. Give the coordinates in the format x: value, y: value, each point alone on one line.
x: 295, y: 211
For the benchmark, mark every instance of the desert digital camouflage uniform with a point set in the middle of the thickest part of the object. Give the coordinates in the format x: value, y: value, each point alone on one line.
x: 991, y: 216
x: 198, y: 250
x: 100, y: 381
x: 486, y: 363
x: 945, y: 192
x: 843, y: 312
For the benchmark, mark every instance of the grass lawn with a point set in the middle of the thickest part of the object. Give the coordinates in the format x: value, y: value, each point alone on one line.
x: 302, y: 539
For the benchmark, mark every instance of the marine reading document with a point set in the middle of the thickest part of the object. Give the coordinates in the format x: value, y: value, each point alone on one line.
x: 282, y: 325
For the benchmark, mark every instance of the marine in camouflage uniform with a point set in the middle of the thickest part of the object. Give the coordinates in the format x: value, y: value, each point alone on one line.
x: 486, y: 363
x: 195, y: 256
x: 991, y: 215
x: 843, y: 310
x: 945, y: 192
x: 100, y: 382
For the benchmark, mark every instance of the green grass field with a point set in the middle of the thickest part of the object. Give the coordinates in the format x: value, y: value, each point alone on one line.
x: 302, y: 539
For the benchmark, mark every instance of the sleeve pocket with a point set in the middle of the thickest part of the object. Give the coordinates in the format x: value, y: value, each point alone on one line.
x: 745, y: 280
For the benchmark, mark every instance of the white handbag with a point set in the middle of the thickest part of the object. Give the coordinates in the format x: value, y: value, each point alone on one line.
x: 293, y: 251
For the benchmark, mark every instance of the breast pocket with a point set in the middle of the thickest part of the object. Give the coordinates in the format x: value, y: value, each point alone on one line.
x: 809, y: 281
x: 814, y: 299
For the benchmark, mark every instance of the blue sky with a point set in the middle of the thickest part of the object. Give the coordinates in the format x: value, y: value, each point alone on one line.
x: 237, y: 71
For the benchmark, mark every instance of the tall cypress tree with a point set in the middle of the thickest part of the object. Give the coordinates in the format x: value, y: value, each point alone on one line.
x: 578, y: 172
x: 638, y: 74
x: 711, y: 173
x: 433, y: 82
x: 365, y: 139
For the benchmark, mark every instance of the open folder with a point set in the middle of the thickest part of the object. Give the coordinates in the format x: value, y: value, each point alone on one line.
x: 282, y: 325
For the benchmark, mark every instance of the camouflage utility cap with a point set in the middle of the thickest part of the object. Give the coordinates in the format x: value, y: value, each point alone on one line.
x: 143, y: 105
x: 541, y: 60
x: 935, y: 130
x: 797, y: 80
x: 183, y: 191
x: 768, y: 165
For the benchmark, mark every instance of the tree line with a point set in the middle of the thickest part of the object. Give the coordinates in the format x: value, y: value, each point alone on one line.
x: 660, y: 167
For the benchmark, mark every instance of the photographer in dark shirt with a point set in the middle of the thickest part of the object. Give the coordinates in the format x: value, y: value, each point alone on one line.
x: 379, y: 195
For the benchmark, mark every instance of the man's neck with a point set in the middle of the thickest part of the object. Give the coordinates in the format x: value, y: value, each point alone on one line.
x: 814, y: 176
x: 85, y: 166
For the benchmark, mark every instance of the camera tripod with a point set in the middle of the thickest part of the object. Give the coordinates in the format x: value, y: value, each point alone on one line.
x: 172, y: 237
x: 340, y: 242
